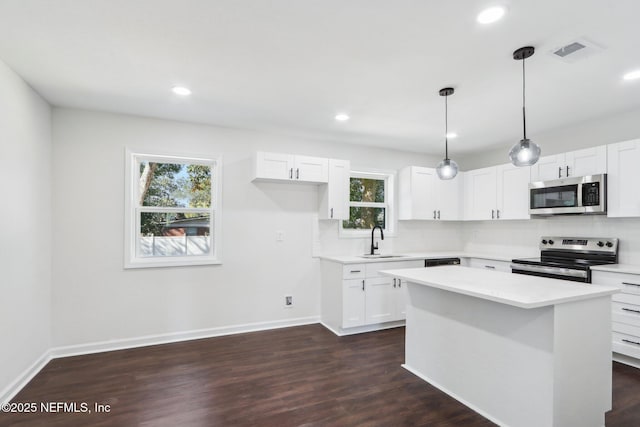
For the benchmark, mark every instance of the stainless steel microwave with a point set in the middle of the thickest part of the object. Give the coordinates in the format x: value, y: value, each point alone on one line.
x: 576, y: 195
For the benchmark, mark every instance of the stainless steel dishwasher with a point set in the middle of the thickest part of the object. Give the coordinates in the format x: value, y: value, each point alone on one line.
x: 436, y: 262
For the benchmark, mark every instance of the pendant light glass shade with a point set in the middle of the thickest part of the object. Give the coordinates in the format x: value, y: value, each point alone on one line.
x: 447, y: 168
x: 525, y: 152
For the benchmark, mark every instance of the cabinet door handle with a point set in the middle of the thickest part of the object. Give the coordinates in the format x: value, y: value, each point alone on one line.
x: 559, y: 171
x: 355, y: 271
x: 631, y: 342
x: 363, y: 285
x: 297, y: 173
x: 633, y: 311
x: 434, y: 214
x: 438, y: 214
x: 331, y: 212
x: 567, y: 171
x: 493, y: 267
x: 399, y: 283
x: 493, y: 214
x: 291, y: 173
x: 394, y: 282
x: 497, y: 213
x: 630, y: 284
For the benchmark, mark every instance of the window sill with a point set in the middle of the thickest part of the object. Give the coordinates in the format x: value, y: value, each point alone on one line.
x: 170, y: 262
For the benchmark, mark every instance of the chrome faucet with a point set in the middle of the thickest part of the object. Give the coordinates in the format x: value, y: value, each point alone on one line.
x: 373, y: 248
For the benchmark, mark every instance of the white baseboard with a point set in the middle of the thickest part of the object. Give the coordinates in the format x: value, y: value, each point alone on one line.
x: 23, y: 379
x: 626, y: 360
x: 126, y: 343
x: 99, y: 347
x: 362, y: 329
x: 456, y: 397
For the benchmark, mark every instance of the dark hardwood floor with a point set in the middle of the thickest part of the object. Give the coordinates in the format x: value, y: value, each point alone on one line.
x: 301, y: 376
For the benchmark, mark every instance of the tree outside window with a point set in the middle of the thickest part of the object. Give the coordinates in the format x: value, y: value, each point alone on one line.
x: 370, y: 201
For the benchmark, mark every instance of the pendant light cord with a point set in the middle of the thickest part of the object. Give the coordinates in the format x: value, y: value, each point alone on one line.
x: 446, y: 128
x: 524, y: 117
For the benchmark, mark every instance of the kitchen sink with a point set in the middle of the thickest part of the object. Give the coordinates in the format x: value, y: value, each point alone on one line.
x: 382, y: 256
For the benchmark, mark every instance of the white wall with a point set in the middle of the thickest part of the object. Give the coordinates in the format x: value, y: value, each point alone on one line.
x: 25, y: 218
x: 591, y: 133
x: 95, y: 299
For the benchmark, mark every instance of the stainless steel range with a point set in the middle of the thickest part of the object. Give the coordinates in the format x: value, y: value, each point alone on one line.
x: 568, y: 258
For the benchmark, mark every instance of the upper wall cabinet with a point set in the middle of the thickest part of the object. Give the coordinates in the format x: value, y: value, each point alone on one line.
x: 425, y: 196
x: 623, y: 197
x: 289, y: 167
x: 497, y: 192
x: 589, y: 161
x: 480, y: 194
x: 334, y: 197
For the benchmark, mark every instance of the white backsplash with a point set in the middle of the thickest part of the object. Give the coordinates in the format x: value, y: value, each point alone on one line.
x: 518, y: 238
x: 412, y: 236
x: 521, y: 238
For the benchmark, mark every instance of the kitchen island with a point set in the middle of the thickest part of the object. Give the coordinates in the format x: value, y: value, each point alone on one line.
x: 520, y: 350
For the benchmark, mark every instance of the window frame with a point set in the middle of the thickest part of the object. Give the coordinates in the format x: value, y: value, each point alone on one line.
x: 390, y: 204
x: 133, y: 209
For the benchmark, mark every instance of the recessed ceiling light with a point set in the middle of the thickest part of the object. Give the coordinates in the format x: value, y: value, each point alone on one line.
x: 181, y: 90
x: 491, y: 15
x: 452, y: 135
x: 342, y: 117
x: 632, y: 75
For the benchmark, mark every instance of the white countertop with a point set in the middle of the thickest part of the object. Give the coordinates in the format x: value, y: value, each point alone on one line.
x: 409, y: 256
x: 512, y: 289
x: 618, y: 268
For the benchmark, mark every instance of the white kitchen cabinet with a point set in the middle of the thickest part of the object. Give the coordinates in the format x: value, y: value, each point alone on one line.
x: 334, y: 197
x: 625, y: 311
x: 357, y: 298
x: 623, y: 198
x: 589, y: 161
x: 490, y: 264
x: 380, y: 300
x: 401, y: 298
x: 353, y: 297
x: 450, y: 192
x: 424, y: 196
x: 289, y: 167
x: 512, y: 192
x: 480, y: 191
x: 497, y: 192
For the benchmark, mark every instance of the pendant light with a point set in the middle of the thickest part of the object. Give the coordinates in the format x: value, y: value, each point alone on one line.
x: 447, y: 168
x: 525, y: 152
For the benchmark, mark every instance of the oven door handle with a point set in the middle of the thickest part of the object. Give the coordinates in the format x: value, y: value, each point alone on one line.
x: 550, y: 270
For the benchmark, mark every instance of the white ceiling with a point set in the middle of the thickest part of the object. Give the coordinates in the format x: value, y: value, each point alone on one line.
x: 291, y: 65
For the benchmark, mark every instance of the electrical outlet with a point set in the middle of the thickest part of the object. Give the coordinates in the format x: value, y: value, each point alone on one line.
x: 288, y: 301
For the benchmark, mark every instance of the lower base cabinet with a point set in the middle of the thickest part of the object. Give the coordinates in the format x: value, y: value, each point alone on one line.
x: 625, y: 311
x: 358, y: 296
x: 490, y: 264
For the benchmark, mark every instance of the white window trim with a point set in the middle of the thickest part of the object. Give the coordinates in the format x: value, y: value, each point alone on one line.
x: 391, y: 214
x: 131, y: 226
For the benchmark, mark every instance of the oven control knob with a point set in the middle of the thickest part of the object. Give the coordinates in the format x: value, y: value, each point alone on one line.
x: 609, y: 244
x: 544, y: 241
x: 601, y: 244
x: 551, y: 242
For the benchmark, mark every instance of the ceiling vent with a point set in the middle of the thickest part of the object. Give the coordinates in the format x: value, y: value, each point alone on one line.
x: 576, y: 50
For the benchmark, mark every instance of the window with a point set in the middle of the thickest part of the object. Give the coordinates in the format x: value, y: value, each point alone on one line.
x: 172, y: 213
x: 370, y: 203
